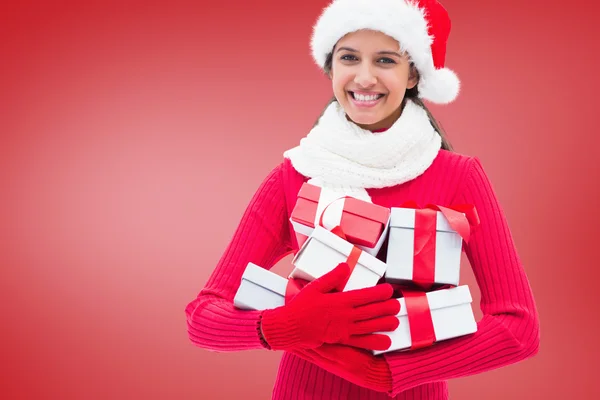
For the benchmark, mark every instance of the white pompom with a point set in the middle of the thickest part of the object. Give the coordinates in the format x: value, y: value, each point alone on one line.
x: 439, y: 86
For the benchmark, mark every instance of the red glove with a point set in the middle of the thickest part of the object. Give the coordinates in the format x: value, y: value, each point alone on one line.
x: 354, y: 365
x: 316, y: 315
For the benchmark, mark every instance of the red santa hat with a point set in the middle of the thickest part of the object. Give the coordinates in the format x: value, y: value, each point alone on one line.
x: 421, y: 27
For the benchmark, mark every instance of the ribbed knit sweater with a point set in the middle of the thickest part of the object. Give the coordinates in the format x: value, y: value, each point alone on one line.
x: 507, y: 333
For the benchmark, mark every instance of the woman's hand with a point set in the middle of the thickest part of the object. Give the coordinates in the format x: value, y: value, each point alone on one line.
x: 316, y: 315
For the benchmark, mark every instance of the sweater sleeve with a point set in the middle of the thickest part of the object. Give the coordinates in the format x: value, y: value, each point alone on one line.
x: 262, y: 237
x: 509, y: 329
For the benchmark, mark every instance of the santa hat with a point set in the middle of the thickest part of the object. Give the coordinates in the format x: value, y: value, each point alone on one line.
x: 421, y: 27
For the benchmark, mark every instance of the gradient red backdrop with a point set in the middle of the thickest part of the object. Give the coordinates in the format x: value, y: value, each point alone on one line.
x: 133, y: 136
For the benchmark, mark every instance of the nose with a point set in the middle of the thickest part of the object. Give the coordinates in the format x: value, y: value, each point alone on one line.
x: 365, y: 76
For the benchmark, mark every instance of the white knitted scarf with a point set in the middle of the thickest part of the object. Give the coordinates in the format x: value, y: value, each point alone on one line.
x: 343, y: 157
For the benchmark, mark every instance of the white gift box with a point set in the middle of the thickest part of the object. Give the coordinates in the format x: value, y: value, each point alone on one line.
x: 324, y: 250
x: 400, y: 250
x: 260, y: 289
x: 451, y: 314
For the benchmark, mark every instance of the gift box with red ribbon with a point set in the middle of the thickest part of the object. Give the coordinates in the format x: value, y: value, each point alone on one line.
x: 425, y: 244
x: 260, y: 289
x: 324, y: 250
x: 426, y: 318
x: 365, y: 224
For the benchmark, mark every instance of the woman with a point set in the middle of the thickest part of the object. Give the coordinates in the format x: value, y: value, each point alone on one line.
x: 375, y: 140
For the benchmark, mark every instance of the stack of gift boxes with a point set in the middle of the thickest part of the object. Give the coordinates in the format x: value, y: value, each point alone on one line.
x: 422, y: 260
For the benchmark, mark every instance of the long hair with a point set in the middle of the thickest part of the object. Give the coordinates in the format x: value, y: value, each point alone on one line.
x: 412, y: 94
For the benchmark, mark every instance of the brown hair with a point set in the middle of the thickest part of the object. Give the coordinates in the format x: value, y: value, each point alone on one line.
x: 412, y: 94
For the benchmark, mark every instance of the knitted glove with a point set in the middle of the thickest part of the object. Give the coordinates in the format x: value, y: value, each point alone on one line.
x: 316, y: 315
x: 354, y: 365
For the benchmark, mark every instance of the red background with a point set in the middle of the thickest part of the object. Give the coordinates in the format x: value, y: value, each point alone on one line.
x: 133, y: 136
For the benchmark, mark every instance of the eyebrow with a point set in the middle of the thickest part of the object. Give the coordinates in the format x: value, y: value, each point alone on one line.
x: 379, y: 52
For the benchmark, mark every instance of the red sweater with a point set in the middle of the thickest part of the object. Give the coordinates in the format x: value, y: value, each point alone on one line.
x: 507, y: 333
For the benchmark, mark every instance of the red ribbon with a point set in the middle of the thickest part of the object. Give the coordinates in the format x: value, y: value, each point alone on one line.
x: 294, y: 286
x: 325, y: 209
x: 424, y: 247
x: 461, y: 218
x: 422, y: 333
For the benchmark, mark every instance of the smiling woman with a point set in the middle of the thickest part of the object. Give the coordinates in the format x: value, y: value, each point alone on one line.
x: 376, y: 141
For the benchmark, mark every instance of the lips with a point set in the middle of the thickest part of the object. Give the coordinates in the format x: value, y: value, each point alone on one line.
x: 365, y: 100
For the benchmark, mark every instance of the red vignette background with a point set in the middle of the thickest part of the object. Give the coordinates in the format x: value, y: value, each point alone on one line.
x: 133, y: 136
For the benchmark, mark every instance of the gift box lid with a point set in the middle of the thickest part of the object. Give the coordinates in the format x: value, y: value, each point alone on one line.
x: 337, y: 243
x: 265, y: 278
x: 309, y: 192
x: 405, y: 218
x: 366, y: 210
x: 363, y: 222
x: 443, y: 298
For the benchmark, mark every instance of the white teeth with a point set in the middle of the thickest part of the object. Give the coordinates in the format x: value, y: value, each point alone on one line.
x: 362, y: 97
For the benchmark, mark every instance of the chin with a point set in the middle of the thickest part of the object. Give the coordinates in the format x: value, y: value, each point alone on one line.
x: 364, y: 119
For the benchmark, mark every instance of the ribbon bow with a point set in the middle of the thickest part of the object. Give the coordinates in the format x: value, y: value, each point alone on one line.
x: 461, y: 218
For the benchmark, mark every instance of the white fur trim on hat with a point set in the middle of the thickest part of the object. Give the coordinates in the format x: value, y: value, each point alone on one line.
x: 401, y: 19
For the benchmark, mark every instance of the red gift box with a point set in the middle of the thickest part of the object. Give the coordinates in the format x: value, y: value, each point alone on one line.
x: 363, y: 224
x: 307, y: 203
x: 305, y: 212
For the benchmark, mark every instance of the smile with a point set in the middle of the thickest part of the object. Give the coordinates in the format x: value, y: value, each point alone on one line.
x: 362, y: 100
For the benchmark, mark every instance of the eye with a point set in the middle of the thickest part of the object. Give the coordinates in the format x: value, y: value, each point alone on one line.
x: 387, y: 60
x: 348, y: 57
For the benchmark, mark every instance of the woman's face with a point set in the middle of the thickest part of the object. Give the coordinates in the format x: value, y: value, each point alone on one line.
x: 370, y: 77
